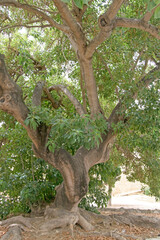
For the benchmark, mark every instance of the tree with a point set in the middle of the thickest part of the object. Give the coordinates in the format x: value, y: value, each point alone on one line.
x: 115, y: 61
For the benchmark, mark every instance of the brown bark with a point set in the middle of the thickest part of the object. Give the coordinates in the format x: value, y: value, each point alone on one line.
x: 11, y: 101
x: 13, y: 233
x: 75, y: 184
x: 17, y: 220
x: 75, y: 102
x: 11, y: 95
x: 37, y: 93
x: 90, y: 84
x: 138, y: 24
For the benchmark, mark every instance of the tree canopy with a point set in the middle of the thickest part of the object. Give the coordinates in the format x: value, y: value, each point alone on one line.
x: 84, y: 84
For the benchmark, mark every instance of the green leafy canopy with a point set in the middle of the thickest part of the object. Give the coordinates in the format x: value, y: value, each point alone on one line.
x: 78, y: 3
x: 150, y: 5
x: 68, y: 133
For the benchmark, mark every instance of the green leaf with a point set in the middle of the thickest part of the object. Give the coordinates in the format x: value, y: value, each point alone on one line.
x: 79, y: 3
x: 157, y: 13
x: 66, y: 1
x: 157, y: 1
x: 151, y: 5
x: 26, y: 122
x: 85, y: 2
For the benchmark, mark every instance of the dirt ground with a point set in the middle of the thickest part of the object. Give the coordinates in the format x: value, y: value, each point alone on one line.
x: 103, y: 231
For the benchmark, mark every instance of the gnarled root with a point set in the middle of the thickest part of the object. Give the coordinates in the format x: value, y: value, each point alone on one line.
x: 85, y: 224
x: 137, y: 220
x: 20, y: 220
x: 15, y: 226
x: 60, y: 218
x: 14, y: 233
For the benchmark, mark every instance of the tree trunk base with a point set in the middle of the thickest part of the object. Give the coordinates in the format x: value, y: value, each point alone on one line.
x: 60, y: 218
x: 112, y: 224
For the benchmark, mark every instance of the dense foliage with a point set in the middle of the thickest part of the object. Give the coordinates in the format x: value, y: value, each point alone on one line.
x: 28, y: 183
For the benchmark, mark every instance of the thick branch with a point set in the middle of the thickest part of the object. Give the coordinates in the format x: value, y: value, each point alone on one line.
x: 97, y: 155
x: 55, y: 104
x: 74, y: 101
x: 90, y: 84
x: 34, y: 11
x: 11, y: 95
x: 139, y: 24
x: 11, y: 101
x: 102, y: 153
x: 100, y: 38
x: 111, y: 13
x: 71, y: 23
x: 106, y: 24
x: 37, y: 94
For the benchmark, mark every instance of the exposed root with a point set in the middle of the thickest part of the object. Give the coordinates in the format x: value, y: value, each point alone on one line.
x: 114, y: 235
x: 109, y: 225
x: 129, y: 210
x: 131, y: 236
x: 85, y: 224
x: 94, y: 218
x: 59, y: 222
x: 17, y: 220
x: 14, y: 233
x: 59, y: 218
x: 16, y: 225
x: 137, y: 220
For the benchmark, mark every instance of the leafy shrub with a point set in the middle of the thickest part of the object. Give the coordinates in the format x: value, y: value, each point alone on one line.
x: 37, y: 192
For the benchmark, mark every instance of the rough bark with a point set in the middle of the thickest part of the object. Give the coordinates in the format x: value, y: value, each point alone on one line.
x: 37, y: 93
x: 56, y: 217
x: 111, y: 224
x: 75, y: 184
x: 11, y: 95
x: 20, y: 220
x: 140, y: 221
x: 14, y: 233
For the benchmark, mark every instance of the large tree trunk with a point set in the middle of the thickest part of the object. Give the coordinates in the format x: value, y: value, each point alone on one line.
x: 74, y: 169
x: 64, y: 210
x: 75, y: 185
